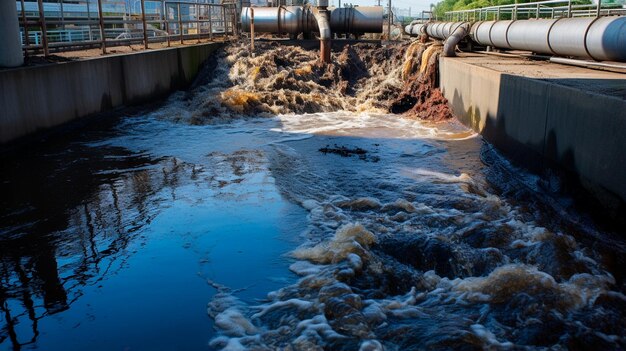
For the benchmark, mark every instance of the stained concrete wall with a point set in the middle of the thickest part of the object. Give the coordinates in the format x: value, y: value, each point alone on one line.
x: 576, y: 123
x: 33, y: 98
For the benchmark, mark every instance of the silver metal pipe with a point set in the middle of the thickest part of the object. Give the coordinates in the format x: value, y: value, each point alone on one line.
x: 599, y: 38
x: 296, y: 19
x: 588, y: 64
x: 442, y: 30
x: 449, y: 46
x: 414, y: 28
x: 282, y: 19
x: 361, y: 19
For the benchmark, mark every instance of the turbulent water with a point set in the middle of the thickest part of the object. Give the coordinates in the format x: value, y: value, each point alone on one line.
x: 411, y: 247
x: 280, y: 79
x: 412, y: 242
x: 414, y: 234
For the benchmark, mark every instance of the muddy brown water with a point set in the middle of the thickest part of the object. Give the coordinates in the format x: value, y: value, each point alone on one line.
x: 186, y: 227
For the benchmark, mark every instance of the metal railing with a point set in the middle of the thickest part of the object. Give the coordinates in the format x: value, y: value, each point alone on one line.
x: 540, y: 9
x: 64, y: 25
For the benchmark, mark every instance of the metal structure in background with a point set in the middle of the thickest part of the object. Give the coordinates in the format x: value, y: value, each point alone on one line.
x: 540, y: 9
x: 601, y: 38
x: 598, y: 38
x: 77, y: 24
x: 297, y: 19
x: 585, y: 31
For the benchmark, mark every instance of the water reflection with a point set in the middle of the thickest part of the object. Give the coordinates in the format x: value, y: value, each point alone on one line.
x: 70, y: 214
x: 116, y: 234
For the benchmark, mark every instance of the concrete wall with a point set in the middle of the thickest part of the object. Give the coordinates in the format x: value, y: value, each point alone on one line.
x: 546, y: 123
x: 33, y: 98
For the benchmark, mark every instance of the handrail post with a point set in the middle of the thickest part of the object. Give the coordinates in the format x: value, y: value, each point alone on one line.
x: 89, y: 20
x: 251, y: 30
x: 167, y: 23
x: 569, y: 8
x: 224, y: 21
x: 101, y: 24
x: 198, y: 22
x: 211, y: 22
x: 25, y: 22
x: 44, y: 33
x: 143, y: 23
x: 180, y: 24
x: 599, y: 8
x: 538, y: 10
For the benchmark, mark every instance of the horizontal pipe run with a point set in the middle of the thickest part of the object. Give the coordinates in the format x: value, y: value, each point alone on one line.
x: 598, y: 38
x: 297, y: 19
x: 590, y: 64
x: 415, y: 28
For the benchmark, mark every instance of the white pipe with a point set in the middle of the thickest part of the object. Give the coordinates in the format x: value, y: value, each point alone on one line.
x: 599, y: 38
x: 11, y: 52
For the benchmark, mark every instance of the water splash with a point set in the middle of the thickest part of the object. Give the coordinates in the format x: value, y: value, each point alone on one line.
x: 282, y: 79
x: 433, y: 259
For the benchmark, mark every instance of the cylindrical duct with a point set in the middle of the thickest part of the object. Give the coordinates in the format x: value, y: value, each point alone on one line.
x: 606, y: 39
x: 11, y: 53
x: 361, y: 19
x: 442, y: 30
x: 530, y: 40
x: 295, y: 19
x: 600, y: 38
x: 283, y: 19
x: 480, y: 32
x: 498, y: 33
x: 414, y: 28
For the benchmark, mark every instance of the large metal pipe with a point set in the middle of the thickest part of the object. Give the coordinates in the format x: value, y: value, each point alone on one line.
x: 355, y: 20
x: 282, y: 19
x: 442, y: 30
x: 599, y: 38
x: 11, y: 51
x: 415, y: 28
x: 296, y: 19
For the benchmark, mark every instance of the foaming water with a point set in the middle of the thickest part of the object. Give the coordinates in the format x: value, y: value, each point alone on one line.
x: 335, y: 230
x: 303, y: 230
x: 415, y: 247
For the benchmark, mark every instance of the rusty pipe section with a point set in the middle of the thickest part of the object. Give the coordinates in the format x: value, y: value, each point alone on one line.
x: 323, y: 24
x: 297, y: 19
x: 598, y: 38
x: 460, y: 32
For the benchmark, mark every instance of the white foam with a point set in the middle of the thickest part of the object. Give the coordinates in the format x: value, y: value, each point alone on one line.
x: 295, y: 303
x: 233, y: 323
x: 489, y: 338
x: 351, y: 238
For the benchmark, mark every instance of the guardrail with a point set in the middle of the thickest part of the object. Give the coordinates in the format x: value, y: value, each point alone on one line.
x: 65, y: 26
x: 540, y: 9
